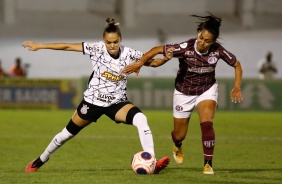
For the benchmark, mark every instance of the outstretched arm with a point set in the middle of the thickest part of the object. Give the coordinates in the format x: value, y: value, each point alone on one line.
x: 235, y: 94
x: 34, y: 46
x: 147, y: 60
x: 160, y: 61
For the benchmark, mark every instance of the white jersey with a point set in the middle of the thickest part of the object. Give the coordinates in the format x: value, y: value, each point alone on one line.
x: 106, y: 85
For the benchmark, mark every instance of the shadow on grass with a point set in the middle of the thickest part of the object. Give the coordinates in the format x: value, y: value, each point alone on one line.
x: 238, y: 170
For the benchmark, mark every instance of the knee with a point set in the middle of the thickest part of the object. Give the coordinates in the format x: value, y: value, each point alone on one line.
x: 178, y: 136
x: 135, y: 115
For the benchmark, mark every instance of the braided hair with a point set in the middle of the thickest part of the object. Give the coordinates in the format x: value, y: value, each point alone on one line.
x: 112, y: 27
x: 210, y: 23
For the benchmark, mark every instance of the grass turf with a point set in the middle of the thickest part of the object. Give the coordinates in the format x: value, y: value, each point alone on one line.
x: 248, y: 149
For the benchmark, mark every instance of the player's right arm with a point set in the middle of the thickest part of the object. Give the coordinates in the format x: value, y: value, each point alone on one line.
x: 158, y: 61
x: 34, y: 46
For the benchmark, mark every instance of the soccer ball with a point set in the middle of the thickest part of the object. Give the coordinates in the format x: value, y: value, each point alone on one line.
x: 143, y: 163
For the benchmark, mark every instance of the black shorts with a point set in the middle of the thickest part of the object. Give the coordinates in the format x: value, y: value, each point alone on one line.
x: 88, y: 111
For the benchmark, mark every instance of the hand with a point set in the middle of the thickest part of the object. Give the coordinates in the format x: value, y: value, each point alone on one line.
x: 236, y: 95
x: 134, y: 67
x: 169, y: 53
x: 32, y: 46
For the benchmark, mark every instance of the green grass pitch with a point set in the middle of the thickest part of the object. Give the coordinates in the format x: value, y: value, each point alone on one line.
x: 248, y: 149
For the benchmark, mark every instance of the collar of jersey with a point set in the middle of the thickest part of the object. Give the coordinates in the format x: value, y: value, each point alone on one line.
x: 195, y: 44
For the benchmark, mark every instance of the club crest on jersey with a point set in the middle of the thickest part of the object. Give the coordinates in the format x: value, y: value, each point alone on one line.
x: 112, y: 77
x: 84, y: 109
x: 212, y: 60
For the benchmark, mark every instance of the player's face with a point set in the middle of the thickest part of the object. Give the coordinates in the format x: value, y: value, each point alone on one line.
x: 112, y: 42
x: 204, y: 41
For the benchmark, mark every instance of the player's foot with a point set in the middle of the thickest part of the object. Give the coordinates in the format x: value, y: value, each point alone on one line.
x: 161, y: 164
x: 208, y: 169
x: 34, y: 165
x: 178, y: 154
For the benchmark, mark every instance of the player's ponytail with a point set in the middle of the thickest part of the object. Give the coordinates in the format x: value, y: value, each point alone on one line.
x: 112, y: 27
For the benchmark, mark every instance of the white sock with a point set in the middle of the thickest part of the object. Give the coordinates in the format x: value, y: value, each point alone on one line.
x: 145, y: 134
x: 56, y: 143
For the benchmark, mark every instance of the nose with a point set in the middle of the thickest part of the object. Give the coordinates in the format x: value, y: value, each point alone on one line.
x: 201, y: 43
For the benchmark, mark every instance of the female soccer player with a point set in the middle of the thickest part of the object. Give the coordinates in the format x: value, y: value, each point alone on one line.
x: 195, y: 83
x: 106, y: 92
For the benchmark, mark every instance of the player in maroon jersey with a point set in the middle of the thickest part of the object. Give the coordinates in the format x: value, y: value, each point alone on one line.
x: 195, y: 83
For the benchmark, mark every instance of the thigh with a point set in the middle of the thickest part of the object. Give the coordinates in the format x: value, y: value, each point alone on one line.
x: 88, y: 112
x: 118, y: 112
x: 206, y: 110
x: 207, y: 104
x: 183, y: 105
x: 79, y: 121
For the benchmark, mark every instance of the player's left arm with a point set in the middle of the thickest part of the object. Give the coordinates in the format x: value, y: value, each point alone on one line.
x: 236, y: 95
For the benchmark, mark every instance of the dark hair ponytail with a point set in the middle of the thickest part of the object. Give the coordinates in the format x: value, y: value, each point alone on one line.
x: 210, y: 23
x: 112, y: 27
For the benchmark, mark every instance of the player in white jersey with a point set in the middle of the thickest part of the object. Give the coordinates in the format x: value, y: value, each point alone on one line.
x: 106, y: 92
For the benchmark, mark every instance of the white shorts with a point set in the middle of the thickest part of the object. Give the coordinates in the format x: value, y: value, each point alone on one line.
x: 183, y: 105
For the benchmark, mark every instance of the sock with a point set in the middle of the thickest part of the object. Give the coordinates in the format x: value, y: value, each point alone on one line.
x: 208, y: 162
x: 145, y: 134
x: 208, y: 140
x: 55, y: 144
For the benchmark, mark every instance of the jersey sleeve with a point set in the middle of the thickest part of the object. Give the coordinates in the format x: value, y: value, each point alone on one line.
x: 134, y: 55
x: 90, y: 48
x: 179, y: 49
x: 227, y: 56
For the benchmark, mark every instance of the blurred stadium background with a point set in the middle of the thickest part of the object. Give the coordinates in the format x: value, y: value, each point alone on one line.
x: 250, y: 29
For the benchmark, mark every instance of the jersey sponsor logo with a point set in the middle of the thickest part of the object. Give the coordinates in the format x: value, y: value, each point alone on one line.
x: 214, y: 53
x: 89, y: 48
x: 201, y: 70
x: 112, y: 77
x: 105, y: 98
x: 212, y: 60
x: 189, y: 53
x: 209, y: 144
x: 192, y: 59
x: 227, y: 54
x: 84, y: 109
x: 183, y: 45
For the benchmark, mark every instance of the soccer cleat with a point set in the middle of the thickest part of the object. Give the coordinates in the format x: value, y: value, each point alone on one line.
x: 34, y: 165
x: 161, y: 164
x: 208, y: 169
x: 178, y: 154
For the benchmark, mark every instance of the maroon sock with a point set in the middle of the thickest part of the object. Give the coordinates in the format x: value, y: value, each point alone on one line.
x: 208, y: 139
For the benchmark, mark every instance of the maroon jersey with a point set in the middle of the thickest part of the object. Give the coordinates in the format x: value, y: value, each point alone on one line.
x: 196, y: 72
